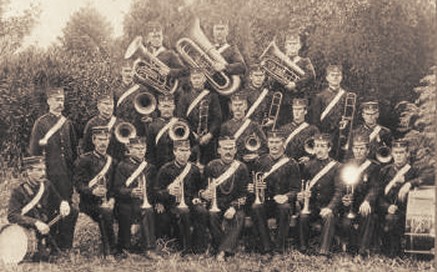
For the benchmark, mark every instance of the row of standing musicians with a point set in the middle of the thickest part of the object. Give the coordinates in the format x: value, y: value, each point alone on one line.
x: 53, y: 136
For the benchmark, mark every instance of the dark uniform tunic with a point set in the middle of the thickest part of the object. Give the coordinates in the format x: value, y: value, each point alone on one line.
x: 252, y: 94
x: 128, y: 208
x: 60, y: 154
x: 383, y: 137
x: 286, y: 180
x: 295, y: 147
x: 322, y: 196
x: 87, y: 167
x: 196, y: 215
x: 230, y: 193
x: 162, y: 152
x: 214, y: 121
x: 115, y: 148
x: 393, y: 225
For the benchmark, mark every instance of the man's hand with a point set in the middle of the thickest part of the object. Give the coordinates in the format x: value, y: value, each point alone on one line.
x: 280, y: 199
x: 303, y: 159
x: 64, y: 208
x: 347, y: 200
x: 174, y: 190
x: 109, y: 204
x: 403, y: 192
x: 205, y: 139
x: 159, y: 208
x: 250, y: 188
x: 325, y: 212
x: 207, y: 194
x: 392, y: 209
x: 137, y: 192
x: 229, y: 214
x: 290, y: 86
x: 99, y: 191
x: 219, y: 66
x: 42, y: 227
x: 365, y: 208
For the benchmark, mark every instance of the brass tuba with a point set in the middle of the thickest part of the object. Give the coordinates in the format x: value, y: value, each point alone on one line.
x: 273, y: 115
x: 179, y: 131
x: 123, y: 131
x: 145, y: 103
x: 198, y: 51
x: 148, y: 69
x: 279, y: 66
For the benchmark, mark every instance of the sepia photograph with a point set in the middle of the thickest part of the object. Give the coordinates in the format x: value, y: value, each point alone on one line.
x: 218, y: 135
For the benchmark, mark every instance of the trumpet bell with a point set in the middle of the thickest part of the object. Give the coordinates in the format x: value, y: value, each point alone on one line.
x: 124, y: 131
x: 179, y: 131
x: 145, y: 103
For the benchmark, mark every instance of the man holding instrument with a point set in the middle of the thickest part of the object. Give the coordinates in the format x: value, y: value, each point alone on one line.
x: 31, y: 207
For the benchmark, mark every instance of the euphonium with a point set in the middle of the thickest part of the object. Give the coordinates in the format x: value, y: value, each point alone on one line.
x: 279, y: 66
x: 273, y: 115
x: 179, y: 131
x: 252, y: 143
x: 259, y: 187
x: 123, y: 131
x: 306, y: 201
x: 142, y: 184
x: 148, y: 69
x: 198, y: 51
x: 345, y: 130
x: 144, y: 103
x: 383, y: 154
x: 212, y: 186
x: 309, y: 146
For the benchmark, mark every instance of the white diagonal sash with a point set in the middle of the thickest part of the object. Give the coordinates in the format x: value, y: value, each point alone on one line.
x: 375, y: 133
x: 364, y: 166
x: 130, y: 91
x: 321, y: 173
x: 52, y: 131
x: 102, y: 172
x: 196, y: 101
x: 164, y: 129
x: 257, y: 102
x: 295, y: 132
x: 180, y: 178
x: 332, y: 104
x: 243, y: 127
x: 276, y: 166
x: 111, y: 122
x: 29, y: 206
x: 136, y: 173
x: 400, y: 173
x: 227, y: 174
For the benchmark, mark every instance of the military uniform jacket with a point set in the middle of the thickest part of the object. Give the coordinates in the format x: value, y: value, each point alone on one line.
x: 122, y: 172
x: 262, y: 110
x: 60, y: 152
x: 286, y: 180
x: 295, y: 147
x: 232, y: 189
x: 231, y: 126
x: 86, y: 168
x: 236, y: 64
x: 115, y: 148
x: 322, y: 194
x: 386, y: 175
x: 172, y: 60
x: 43, y: 210
x: 161, y: 152
x: 384, y: 136
x: 214, y: 111
x: 167, y: 174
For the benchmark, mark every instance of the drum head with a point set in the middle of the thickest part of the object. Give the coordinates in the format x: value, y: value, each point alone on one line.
x: 13, y: 244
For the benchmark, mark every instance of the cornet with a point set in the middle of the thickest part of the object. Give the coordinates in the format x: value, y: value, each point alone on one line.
x: 212, y: 186
x: 180, y: 198
x: 259, y: 187
x: 306, y: 201
x: 142, y: 185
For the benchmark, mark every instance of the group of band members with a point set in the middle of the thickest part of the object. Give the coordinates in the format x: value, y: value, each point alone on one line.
x: 235, y: 164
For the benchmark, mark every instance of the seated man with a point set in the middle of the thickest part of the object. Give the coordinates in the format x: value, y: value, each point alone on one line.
x: 93, y: 177
x: 34, y: 203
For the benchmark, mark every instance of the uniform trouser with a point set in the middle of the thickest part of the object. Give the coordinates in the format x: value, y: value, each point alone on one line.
x: 225, y: 233
x: 199, y: 219
x: 328, y: 230
x: 181, y: 219
x: 105, y: 218
x: 64, y: 230
x: 361, y: 237
x: 128, y: 214
x: 262, y: 212
x: 393, y: 226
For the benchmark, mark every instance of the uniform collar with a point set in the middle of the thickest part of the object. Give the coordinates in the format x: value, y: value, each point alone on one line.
x: 277, y: 159
x: 178, y: 165
x: 98, y: 155
x: 135, y: 161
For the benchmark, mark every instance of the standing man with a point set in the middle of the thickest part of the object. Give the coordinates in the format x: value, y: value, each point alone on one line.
x: 31, y: 206
x: 54, y: 137
x: 227, y: 191
x: 93, y: 177
x: 397, y: 179
x: 277, y: 196
x: 298, y: 131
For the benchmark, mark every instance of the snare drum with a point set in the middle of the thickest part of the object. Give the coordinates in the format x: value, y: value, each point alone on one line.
x: 16, y: 243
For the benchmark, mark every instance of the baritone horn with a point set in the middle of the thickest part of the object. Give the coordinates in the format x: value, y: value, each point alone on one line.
x: 179, y: 131
x: 148, y: 69
x: 145, y: 103
x: 273, y: 115
x: 124, y: 131
x: 198, y: 51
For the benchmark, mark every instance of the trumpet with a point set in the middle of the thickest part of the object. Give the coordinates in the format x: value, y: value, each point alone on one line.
x: 212, y: 186
x: 306, y: 201
x: 145, y: 103
x: 124, y: 131
x: 259, y: 187
x: 180, y: 198
x: 142, y: 185
x: 273, y: 115
x: 179, y: 131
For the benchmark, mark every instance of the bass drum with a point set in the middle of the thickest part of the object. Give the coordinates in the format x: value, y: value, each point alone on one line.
x: 420, y: 221
x: 16, y: 243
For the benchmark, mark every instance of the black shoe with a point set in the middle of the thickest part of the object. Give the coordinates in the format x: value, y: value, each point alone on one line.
x: 120, y: 255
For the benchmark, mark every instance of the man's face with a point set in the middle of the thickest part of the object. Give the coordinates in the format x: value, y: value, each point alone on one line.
x: 299, y: 114
x: 36, y: 173
x: 276, y: 146
x: 227, y: 153
x: 321, y: 149
x: 101, y: 142
x: 238, y: 108
x: 56, y: 103
x: 220, y: 33
x: 127, y: 75
x: 400, y: 155
x: 257, y: 78
x: 197, y: 80
x: 182, y: 154
x: 155, y: 38
x: 166, y: 109
x: 137, y: 151
x: 334, y: 78
x: 360, y: 152
x: 106, y: 108
x: 292, y: 46
x: 370, y: 118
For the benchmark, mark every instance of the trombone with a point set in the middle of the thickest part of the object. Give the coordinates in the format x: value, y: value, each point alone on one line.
x: 273, y: 115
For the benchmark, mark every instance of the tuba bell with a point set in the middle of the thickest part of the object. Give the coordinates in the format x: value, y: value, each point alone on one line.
x: 383, y: 154
x: 124, y: 131
x: 144, y: 103
x: 148, y: 69
x: 252, y: 143
x: 198, y: 51
x: 179, y: 131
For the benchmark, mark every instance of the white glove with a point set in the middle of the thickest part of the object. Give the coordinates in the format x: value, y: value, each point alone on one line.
x: 325, y: 212
x: 42, y: 227
x: 64, y: 209
x: 365, y: 208
x: 229, y: 214
x: 280, y: 199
